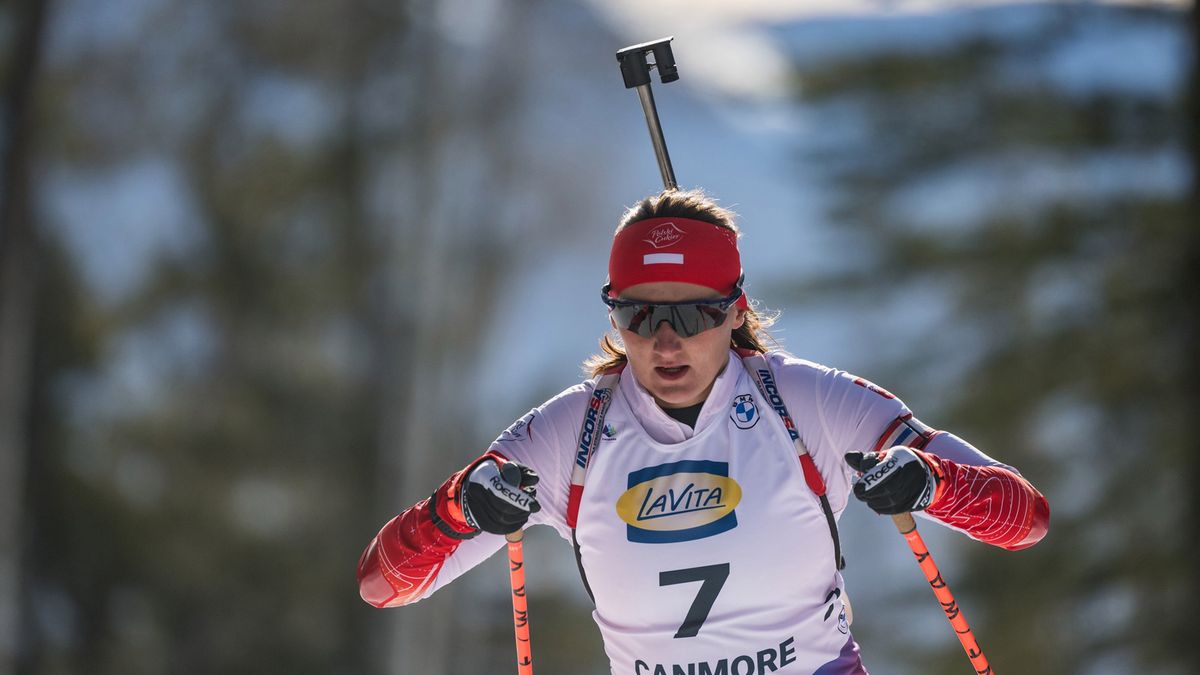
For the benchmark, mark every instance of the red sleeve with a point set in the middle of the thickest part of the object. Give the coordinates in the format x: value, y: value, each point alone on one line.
x: 990, y: 503
x: 405, y: 557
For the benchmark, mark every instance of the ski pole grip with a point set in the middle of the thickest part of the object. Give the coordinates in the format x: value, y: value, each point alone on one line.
x: 904, y: 522
x: 515, y: 537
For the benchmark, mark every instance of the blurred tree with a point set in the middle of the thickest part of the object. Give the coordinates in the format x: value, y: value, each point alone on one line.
x: 1044, y: 264
x: 1190, y: 367
x: 336, y: 190
x: 176, y: 532
x: 19, y: 273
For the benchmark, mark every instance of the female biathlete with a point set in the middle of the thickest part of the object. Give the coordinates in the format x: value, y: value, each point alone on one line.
x: 699, y: 475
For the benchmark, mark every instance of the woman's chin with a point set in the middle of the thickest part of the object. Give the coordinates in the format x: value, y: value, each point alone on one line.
x: 676, y: 396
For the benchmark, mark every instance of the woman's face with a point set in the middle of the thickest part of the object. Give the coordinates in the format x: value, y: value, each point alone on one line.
x: 678, y: 371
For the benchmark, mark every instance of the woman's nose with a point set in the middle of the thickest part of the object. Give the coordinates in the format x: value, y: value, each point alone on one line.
x: 665, y: 337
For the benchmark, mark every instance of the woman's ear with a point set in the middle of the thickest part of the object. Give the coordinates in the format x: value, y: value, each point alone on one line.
x: 739, y: 317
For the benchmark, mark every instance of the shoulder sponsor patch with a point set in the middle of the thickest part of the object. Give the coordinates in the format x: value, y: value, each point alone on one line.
x: 873, y: 387
x: 519, y: 431
x: 609, y: 433
x: 680, y: 501
x: 744, y: 414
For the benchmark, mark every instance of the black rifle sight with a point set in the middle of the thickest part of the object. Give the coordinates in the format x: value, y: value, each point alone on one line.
x: 636, y: 70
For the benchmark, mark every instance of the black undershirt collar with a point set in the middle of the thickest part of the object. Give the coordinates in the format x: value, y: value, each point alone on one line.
x: 687, y: 415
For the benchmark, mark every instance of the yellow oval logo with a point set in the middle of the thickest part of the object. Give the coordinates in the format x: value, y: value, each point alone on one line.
x: 681, y: 501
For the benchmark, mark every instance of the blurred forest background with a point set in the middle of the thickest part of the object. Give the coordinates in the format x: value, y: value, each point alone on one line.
x: 269, y: 271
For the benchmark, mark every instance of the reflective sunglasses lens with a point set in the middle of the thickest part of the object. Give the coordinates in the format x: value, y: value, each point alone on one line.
x: 685, y: 320
x: 631, y: 317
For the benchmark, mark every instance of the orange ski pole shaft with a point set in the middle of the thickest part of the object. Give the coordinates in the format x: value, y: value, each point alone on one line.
x: 908, y: 527
x: 516, y: 575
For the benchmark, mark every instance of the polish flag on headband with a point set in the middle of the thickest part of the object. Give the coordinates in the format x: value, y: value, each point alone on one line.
x: 675, y: 249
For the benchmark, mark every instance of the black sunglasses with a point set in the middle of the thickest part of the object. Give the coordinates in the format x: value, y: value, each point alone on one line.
x: 686, y: 318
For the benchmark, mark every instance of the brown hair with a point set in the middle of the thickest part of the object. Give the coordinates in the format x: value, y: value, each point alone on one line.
x: 694, y: 204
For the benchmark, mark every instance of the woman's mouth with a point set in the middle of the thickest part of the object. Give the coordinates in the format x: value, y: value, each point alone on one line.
x: 672, y: 373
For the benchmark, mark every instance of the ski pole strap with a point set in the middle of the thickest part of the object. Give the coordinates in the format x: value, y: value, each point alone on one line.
x: 760, y: 370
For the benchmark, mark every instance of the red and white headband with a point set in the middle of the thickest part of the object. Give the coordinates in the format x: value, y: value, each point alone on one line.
x: 675, y: 249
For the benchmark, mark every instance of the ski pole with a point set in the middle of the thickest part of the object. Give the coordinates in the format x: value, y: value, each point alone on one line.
x: 516, y: 575
x: 636, y: 72
x: 908, y: 527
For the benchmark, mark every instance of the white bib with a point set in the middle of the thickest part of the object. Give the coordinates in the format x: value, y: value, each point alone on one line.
x: 711, y: 555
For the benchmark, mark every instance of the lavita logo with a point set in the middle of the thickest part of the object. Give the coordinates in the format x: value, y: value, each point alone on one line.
x: 680, y: 501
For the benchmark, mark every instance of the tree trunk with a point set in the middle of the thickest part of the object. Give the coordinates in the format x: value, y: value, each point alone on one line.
x: 416, y: 641
x: 1189, y: 288
x: 18, y: 289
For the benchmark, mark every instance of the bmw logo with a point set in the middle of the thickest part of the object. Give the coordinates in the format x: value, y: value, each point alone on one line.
x: 744, y: 414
